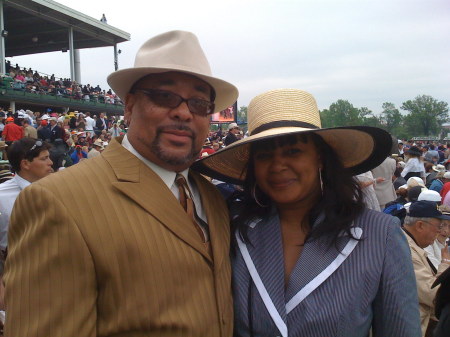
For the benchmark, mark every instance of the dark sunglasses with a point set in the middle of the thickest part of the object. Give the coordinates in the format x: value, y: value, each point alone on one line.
x: 36, y: 145
x: 168, y: 99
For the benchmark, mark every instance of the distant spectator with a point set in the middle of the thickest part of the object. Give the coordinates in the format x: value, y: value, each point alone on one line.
x: 432, y: 155
x: 43, y: 130
x: 414, y: 166
x: 433, y: 172
x: 12, y: 131
x: 28, y: 130
x: 114, y: 131
x: 96, y: 149
x: 385, y: 190
x: 101, y: 124
x: 78, y: 155
x: 441, y: 178
x: 59, y: 155
x: 55, y: 131
x: 90, y: 124
x: 233, y: 130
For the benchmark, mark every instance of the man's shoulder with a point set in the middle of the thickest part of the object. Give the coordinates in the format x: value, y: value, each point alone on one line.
x: 8, y: 186
x: 76, y: 175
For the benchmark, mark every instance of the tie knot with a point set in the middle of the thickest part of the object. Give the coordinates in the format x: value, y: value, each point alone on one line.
x: 180, y: 180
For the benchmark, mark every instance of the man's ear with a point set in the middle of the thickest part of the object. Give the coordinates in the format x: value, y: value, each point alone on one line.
x: 130, y: 101
x: 25, y: 164
x: 420, y: 225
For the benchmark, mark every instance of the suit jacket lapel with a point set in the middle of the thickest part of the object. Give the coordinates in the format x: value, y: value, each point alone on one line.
x: 310, y: 271
x: 145, y: 188
x: 265, y: 249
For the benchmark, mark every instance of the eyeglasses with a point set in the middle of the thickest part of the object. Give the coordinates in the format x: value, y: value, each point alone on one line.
x: 36, y: 145
x: 439, y: 226
x: 168, y: 99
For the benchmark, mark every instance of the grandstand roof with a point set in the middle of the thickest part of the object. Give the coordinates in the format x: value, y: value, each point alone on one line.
x: 40, y: 26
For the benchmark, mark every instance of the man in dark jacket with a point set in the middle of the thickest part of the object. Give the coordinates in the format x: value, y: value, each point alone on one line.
x: 55, y: 130
x: 233, y: 130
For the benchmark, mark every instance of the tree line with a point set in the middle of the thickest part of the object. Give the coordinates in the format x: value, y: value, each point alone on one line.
x: 420, y: 117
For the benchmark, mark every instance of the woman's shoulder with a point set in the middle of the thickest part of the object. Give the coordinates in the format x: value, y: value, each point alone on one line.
x: 377, y: 223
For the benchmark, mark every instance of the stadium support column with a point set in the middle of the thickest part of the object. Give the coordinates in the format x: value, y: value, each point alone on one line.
x: 116, y: 57
x: 77, y: 65
x: 2, y: 40
x: 72, y: 55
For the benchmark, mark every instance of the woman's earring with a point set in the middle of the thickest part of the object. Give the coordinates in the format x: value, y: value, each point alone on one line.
x: 254, y: 196
x: 321, y: 181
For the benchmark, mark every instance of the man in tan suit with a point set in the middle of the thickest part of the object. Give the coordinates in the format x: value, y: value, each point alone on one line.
x: 384, y: 189
x: 422, y: 225
x: 105, y: 248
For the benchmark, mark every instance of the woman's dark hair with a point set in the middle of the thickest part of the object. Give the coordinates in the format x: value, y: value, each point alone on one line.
x: 25, y: 148
x: 341, y: 201
x: 442, y: 297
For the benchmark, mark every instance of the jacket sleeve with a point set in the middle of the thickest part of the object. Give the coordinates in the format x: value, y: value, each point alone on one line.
x: 49, y: 277
x: 396, y: 307
x: 407, y: 168
x: 425, y: 279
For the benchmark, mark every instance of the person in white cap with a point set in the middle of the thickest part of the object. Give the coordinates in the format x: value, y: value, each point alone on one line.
x: 131, y: 242
x: 438, y: 183
x: 97, y: 148
x: 231, y: 137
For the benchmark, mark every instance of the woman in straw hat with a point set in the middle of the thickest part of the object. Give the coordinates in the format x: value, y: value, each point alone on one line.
x: 308, y: 258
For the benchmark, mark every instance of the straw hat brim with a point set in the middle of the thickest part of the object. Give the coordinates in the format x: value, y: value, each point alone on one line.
x: 121, y: 82
x: 359, y: 148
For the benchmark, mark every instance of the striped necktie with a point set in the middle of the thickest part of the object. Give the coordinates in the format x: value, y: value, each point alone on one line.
x: 187, y: 202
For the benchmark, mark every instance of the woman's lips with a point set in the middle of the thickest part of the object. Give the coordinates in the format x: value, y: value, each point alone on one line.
x: 280, y: 183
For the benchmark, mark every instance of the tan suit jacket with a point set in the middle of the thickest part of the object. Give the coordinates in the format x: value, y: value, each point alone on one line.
x: 105, y: 249
x: 424, y: 280
x: 385, y: 190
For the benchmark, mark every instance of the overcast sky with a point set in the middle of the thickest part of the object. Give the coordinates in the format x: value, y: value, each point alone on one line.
x: 367, y: 52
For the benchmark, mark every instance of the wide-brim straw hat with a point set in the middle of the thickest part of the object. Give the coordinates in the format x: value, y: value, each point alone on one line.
x: 288, y: 112
x: 178, y: 51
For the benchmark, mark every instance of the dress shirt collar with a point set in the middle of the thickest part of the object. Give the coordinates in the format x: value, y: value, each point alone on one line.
x: 412, y: 242
x: 168, y: 177
x: 22, y: 183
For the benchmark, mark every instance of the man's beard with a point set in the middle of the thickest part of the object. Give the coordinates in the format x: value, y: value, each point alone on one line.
x: 169, y: 158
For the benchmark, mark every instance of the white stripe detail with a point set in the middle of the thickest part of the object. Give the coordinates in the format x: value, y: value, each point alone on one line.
x: 281, y: 325
x: 319, y: 279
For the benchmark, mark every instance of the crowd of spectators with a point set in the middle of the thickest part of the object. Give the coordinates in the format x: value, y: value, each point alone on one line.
x: 31, y: 81
x: 66, y: 131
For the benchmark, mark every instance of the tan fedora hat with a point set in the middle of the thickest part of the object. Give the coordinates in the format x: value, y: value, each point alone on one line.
x: 289, y: 111
x: 173, y: 51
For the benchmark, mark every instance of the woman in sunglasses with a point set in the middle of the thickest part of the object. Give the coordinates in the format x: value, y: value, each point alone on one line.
x: 308, y: 258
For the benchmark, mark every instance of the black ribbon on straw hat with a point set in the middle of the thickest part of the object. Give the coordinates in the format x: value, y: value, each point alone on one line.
x: 280, y: 124
x: 283, y: 112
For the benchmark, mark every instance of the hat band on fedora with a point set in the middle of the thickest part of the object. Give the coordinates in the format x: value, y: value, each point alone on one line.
x: 283, y: 124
